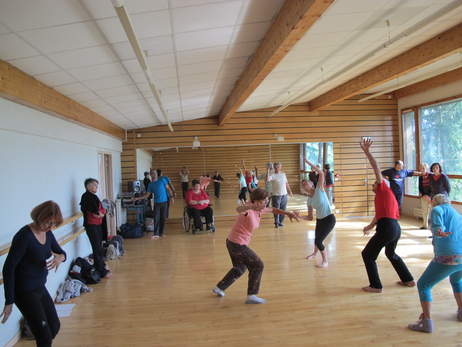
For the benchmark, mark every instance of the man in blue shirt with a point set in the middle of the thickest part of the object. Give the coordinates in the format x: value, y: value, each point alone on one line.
x: 170, y: 185
x: 161, y: 194
x: 396, y: 176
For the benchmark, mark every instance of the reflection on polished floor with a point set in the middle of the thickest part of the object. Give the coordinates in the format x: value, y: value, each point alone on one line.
x: 160, y: 294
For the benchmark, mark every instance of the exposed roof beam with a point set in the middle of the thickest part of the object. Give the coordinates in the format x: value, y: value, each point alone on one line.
x: 437, y: 81
x: 19, y: 87
x: 426, y: 53
x: 292, y: 22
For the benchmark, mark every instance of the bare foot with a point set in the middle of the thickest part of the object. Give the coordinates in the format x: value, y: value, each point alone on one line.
x: 406, y: 284
x: 108, y: 275
x: 311, y: 256
x: 324, y: 264
x: 155, y: 237
x: 372, y: 290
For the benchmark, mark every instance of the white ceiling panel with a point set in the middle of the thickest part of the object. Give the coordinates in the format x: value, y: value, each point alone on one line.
x: 72, y: 88
x: 108, y: 82
x: 65, y: 37
x: 201, y: 55
x: 54, y: 79
x: 35, y: 65
x: 22, y: 15
x: 97, y: 71
x: 205, y: 67
x: 153, y: 45
x: 4, y: 29
x: 164, y: 74
x: 260, y: 10
x: 250, y: 32
x: 84, y: 97
x: 13, y: 47
x: 206, y: 16
x: 83, y: 57
x: 203, y: 39
x: 107, y: 93
x: 243, y: 49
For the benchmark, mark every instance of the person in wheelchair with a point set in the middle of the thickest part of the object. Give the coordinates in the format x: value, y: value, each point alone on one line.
x: 198, y: 202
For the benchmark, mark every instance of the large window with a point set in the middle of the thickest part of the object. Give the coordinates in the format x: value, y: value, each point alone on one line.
x: 319, y: 153
x: 438, y: 133
x: 410, y: 154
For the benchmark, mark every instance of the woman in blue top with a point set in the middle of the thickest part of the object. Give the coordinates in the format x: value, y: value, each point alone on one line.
x: 325, y: 219
x: 33, y: 252
x: 447, y: 245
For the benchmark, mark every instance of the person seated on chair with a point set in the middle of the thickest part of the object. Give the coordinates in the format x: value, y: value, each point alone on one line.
x: 198, y: 205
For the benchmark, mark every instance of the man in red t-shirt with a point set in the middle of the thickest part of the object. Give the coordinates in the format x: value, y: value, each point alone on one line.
x: 198, y: 205
x: 387, y: 232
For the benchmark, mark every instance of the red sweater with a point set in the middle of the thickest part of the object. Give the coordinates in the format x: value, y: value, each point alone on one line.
x: 191, y: 196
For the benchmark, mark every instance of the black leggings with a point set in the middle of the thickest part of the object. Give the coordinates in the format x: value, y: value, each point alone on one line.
x: 323, y: 227
x: 242, y: 194
x: 39, y: 311
x: 197, y: 214
x: 184, y: 188
x: 387, y: 235
x: 243, y: 258
x: 95, y: 235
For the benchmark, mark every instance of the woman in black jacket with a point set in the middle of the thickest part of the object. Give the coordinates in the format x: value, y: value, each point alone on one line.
x: 439, y: 182
x: 93, y: 214
x: 33, y: 252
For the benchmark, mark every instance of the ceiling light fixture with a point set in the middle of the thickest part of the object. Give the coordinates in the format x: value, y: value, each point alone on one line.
x: 126, y: 22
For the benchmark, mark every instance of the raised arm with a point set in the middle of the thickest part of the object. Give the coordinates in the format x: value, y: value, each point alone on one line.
x: 320, y: 172
x: 365, y: 146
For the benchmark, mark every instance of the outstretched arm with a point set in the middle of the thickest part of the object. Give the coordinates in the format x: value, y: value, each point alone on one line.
x: 320, y: 172
x: 365, y: 146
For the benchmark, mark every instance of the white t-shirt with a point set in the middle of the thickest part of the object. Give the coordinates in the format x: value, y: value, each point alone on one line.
x: 278, y: 183
x: 184, y: 177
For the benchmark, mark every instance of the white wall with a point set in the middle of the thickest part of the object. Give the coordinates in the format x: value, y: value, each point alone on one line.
x: 143, y: 163
x: 46, y: 158
x: 435, y: 94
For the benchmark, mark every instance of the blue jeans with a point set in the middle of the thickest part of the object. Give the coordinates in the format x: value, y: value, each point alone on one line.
x: 436, y: 272
x: 280, y: 202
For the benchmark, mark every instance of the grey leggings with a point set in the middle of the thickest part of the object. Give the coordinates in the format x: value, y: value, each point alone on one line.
x: 243, y: 258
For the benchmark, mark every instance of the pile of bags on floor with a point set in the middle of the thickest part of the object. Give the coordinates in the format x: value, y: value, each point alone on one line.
x: 83, y: 273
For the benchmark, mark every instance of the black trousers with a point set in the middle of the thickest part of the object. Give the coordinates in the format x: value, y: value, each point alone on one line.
x: 217, y: 189
x: 39, y: 311
x: 197, y: 214
x: 160, y: 215
x: 323, y: 227
x: 95, y: 235
x: 387, y: 235
x: 184, y: 188
x: 243, y: 193
x: 243, y: 258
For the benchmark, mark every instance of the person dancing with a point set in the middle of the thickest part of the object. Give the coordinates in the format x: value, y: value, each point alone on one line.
x: 388, y: 230
x: 237, y: 243
x: 447, y: 245
x: 325, y: 219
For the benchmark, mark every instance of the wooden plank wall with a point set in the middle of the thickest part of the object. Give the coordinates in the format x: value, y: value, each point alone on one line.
x: 227, y: 161
x: 343, y: 123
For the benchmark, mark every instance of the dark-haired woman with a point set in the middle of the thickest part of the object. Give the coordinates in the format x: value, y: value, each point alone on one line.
x: 329, y: 183
x: 439, y: 182
x: 237, y: 243
x: 93, y: 214
x: 33, y: 252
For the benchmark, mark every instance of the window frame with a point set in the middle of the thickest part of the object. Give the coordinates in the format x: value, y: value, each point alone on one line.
x: 416, y: 110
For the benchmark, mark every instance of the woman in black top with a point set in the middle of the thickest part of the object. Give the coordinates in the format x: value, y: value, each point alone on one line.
x: 33, y: 252
x: 439, y: 182
x: 217, y: 180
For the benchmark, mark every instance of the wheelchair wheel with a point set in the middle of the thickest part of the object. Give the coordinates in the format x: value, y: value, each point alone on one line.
x: 186, y: 221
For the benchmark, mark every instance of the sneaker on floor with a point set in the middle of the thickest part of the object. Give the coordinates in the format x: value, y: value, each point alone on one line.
x: 218, y: 292
x: 253, y: 299
x: 424, y: 325
x: 371, y: 290
x: 459, y: 315
x: 280, y: 225
x: 406, y: 284
x: 154, y: 237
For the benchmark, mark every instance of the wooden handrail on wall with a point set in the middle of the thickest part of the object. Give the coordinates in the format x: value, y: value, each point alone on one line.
x: 62, y: 241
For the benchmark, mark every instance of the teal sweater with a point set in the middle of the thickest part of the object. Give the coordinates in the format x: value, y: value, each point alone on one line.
x: 446, y: 218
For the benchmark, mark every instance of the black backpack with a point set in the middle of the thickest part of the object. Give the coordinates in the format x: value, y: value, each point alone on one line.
x: 83, y: 271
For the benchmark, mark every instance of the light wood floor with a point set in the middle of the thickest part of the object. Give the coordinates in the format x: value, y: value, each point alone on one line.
x: 160, y: 294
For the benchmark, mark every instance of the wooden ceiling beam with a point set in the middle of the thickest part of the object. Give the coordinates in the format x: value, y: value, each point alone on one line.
x: 426, y: 53
x: 292, y: 22
x: 22, y: 88
x: 430, y: 83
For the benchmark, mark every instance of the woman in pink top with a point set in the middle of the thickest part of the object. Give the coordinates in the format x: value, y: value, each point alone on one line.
x: 237, y: 243
x: 198, y: 205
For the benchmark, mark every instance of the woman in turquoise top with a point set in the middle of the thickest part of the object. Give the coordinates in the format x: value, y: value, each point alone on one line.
x: 325, y: 219
x: 447, y: 245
